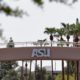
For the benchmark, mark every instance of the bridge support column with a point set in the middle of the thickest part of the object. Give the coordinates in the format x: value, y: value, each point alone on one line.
x: 79, y: 71
x: 63, y: 78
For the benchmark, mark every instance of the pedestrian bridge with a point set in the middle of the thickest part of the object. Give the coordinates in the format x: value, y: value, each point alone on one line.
x: 33, y: 51
x: 40, y: 53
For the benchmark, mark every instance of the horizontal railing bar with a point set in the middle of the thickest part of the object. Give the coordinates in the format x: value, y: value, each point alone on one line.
x: 43, y: 43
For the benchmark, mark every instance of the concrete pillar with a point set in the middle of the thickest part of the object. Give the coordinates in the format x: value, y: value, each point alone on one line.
x: 79, y: 71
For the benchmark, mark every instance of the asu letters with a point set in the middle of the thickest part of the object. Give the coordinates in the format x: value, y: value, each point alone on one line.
x: 41, y: 53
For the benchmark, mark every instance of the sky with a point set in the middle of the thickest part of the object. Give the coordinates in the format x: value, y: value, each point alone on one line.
x: 32, y: 26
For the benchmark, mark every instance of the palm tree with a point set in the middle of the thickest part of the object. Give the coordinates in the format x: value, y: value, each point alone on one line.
x: 76, y: 39
x: 26, y: 70
x: 30, y: 70
x: 50, y: 31
x: 73, y: 29
x: 35, y: 68
x: 60, y: 32
x: 22, y: 71
x: 41, y: 69
x: 66, y: 31
x: 71, y: 65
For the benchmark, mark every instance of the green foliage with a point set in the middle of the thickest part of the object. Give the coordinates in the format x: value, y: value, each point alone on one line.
x: 59, y: 77
x: 66, y: 29
x: 49, y: 77
x: 11, y: 75
x: 9, y: 65
x: 7, y: 68
x: 50, y: 30
x: 60, y: 31
x: 39, y: 2
x: 66, y: 1
x: 71, y: 68
x: 9, y: 11
x: 40, y: 74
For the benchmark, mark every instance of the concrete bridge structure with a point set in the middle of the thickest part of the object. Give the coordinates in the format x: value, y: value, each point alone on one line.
x: 43, y: 53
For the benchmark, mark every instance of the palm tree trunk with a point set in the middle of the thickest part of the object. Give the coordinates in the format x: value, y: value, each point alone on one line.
x: 52, y: 69
x: 52, y: 63
x: 30, y: 70
x: 35, y: 68
x: 75, y: 74
x: 68, y: 61
x: 76, y: 39
x: 68, y: 43
x: 67, y: 70
x: 51, y: 43
x: 41, y: 70
x: 63, y: 78
x: 77, y: 70
x: 26, y: 69
x: 22, y: 73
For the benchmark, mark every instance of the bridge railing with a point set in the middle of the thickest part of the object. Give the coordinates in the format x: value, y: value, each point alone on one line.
x: 42, y: 44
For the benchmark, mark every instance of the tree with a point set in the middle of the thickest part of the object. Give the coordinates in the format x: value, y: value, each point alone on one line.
x: 30, y: 70
x: 17, y: 12
x: 4, y: 8
x: 66, y: 31
x: 75, y: 31
x: 59, y: 77
x: 26, y: 71
x: 60, y: 32
x: 76, y: 40
x: 51, y: 32
x: 49, y: 77
x: 11, y: 75
x: 40, y: 74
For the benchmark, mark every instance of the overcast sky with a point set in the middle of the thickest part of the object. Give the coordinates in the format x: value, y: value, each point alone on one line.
x: 31, y: 28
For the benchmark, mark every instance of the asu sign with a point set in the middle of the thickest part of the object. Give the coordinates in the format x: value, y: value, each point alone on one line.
x: 41, y: 52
